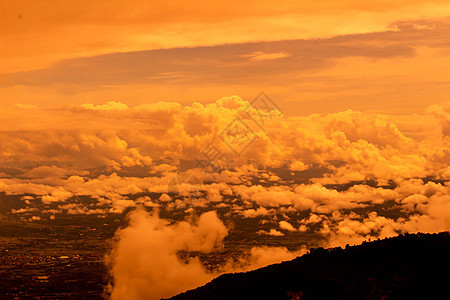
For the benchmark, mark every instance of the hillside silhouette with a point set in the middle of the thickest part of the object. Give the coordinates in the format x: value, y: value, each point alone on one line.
x: 409, y: 266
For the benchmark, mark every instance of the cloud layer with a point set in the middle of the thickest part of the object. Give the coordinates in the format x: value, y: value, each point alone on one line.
x: 202, y: 179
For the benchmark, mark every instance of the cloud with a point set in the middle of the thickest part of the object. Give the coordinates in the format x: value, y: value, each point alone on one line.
x: 25, y: 106
x: 57, y: 195
x: 426, y: 204
x: 252, y: 213
x: 273, y: 198
x: 111, y: 105
x: 47, y: 171
x: 368, y: 145
x: 286, y: 226
x: 53, y: 36
x: 346, y: 147
x: 272, y: 232
x: 165, y: 198
x: 261, y: 56
x: 144, y: 261
x: 298, y: 166
x: 442, y: 114
x: 306, y: 156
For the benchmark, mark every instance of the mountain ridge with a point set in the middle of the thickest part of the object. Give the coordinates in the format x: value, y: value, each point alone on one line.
x: 408, y: 266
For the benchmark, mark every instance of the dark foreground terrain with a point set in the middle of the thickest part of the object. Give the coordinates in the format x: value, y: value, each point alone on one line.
x: 411, y: 266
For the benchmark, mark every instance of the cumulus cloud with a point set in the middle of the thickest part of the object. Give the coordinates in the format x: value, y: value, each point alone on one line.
x: 273, y: 198
x: 428, y: 211
x: 368, y: 145
x: 144, y: 262
x: 286, y: 226
x: 346, y: 177
x: 442, y: 114
x: 111, y: 105
x: 272, y: 232
x: 47, y: 171
x: 56, y: 195
x: 165, y: 198
x: 252, y: 213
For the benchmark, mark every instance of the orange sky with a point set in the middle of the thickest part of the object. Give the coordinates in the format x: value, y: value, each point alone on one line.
x: 390, y: 56
x: 38, y: 33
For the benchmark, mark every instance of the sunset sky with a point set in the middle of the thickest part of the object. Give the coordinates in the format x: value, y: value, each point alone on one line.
x: 111, y: 100
x: 389, y: 56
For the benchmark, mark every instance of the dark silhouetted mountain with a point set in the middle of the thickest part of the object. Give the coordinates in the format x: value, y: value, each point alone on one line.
x: 410, y: 266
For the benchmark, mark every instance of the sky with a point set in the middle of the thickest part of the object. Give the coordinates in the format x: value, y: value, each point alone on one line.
x: 329, y: 54
x: 115, y: 101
